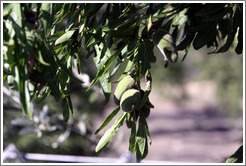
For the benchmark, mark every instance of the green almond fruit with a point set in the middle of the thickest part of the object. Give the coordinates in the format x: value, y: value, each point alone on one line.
x: 126, y: 83
x: 130, y: 100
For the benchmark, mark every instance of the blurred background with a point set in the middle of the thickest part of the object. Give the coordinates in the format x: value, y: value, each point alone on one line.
x: 198, y: 114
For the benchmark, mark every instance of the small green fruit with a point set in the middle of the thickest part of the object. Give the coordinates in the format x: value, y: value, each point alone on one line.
x: 130, y: 100
x: 125, y: 84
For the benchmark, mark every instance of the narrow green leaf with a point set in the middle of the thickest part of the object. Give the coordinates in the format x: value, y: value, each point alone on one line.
x: 21, y: 74
x: 186, y: 53
x: 90, y: 42
x: 108, y: 119
x: 24, y: 97
x: 147, y: 130
x: 61, y: 12
x: 238, y: 23
x: 127, y: 9
x: 132, y: 46
x: 45, y: 17
x: 132, y: 139
x: 239, y: 47
x: 106, y: 86
x: 65, y: 110
x: 18, y: 31
x: 115, y: 69
x: 83, y: 22
x: 237, y: 157
x: 70, y: 105
x: 47, y: 52
x: 16, y: 14
x: 149, y: 23
x: 65, y: 37
x: 39, y: 57
x: 55, y: 36
x: 127, y: 69
x: 146, y: 148
x: 141, y: 140
x: 110, y: 133
x: 102, y: 55
x: 7, y: 8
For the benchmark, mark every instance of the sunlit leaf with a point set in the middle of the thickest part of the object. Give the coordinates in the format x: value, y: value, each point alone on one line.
x: 110, y: 133
x: 239, y: 47
x: 141, y: 140
x: 41, y: 60
x: 45, y: 17
x: 16, y: 14
x: 127, y: 69
x: 106, y: 86
x: 55, y: 36
x: 64, y: 37
x: 108, y: 119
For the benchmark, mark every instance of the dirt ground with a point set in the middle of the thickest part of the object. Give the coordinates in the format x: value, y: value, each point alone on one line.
x: 192, y: 132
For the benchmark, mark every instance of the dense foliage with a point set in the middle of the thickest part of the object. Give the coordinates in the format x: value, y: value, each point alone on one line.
x: 44, y: 43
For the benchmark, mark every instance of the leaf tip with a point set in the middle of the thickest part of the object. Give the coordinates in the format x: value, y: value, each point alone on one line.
x: 96, y: 132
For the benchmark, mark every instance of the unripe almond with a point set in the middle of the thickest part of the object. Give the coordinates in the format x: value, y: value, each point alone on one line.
x: 125, y: 84
x: 130, y: 100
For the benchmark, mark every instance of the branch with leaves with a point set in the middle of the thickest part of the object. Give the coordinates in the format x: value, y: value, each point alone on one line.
x: 44, y: 42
